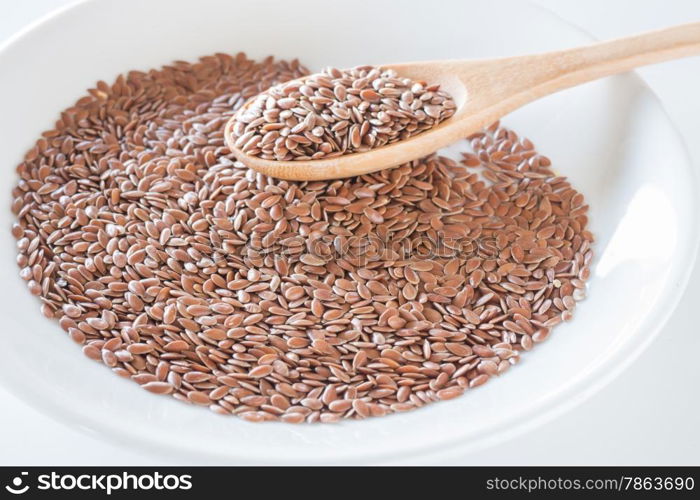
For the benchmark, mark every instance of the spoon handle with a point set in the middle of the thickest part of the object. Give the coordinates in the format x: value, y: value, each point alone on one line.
x: 546, y: 73
x: 617, y: 56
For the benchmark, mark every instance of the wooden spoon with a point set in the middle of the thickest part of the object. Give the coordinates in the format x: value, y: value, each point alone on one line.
x: 484, y: 91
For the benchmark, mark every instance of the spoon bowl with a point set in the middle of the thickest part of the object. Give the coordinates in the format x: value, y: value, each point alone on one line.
x: 484, y: 91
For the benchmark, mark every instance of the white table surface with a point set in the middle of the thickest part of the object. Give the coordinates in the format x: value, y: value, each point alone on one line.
x: 648, y: 415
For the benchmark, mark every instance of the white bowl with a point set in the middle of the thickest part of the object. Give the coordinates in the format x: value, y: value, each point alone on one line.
x: 610, y: 137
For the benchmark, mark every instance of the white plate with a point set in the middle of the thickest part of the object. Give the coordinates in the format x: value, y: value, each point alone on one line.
x: 610, y: 137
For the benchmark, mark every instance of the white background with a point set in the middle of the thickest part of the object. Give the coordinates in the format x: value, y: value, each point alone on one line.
x: 648, y: 415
